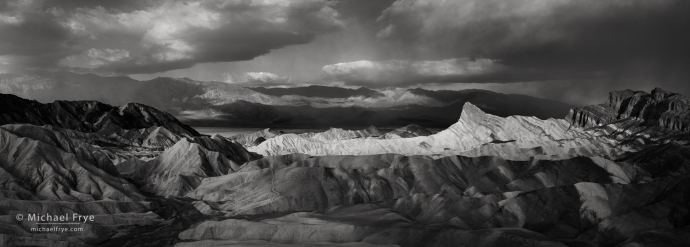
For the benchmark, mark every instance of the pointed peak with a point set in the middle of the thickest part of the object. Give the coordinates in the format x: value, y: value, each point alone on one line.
x: 471, y: 108
x: 472, y: 112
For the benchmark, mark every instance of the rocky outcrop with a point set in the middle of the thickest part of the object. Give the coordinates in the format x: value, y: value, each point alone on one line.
x: 475, y: 134
x: 668, y: 110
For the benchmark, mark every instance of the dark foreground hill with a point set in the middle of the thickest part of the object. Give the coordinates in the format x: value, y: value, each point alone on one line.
x: 87, y: 116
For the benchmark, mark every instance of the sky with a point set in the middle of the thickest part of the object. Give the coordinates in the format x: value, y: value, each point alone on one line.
x: 574, y: 51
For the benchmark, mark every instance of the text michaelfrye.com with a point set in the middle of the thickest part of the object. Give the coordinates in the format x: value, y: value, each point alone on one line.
x: 55, y: 223
x: 57, y: 229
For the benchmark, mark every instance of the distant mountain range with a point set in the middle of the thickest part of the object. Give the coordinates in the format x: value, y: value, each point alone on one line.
x: 320, y: 91
x: 201, y: 103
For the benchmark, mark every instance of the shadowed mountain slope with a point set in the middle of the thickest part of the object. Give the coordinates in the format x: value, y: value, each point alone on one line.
x: 658, y: 108
x: 88, y: 116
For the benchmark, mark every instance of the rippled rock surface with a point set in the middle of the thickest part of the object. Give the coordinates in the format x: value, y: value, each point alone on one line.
x: 475, y: 134
x: 89, y: 158
x: 485, y: 181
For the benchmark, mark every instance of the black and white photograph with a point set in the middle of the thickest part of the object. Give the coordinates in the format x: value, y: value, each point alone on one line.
x: 345, y: 123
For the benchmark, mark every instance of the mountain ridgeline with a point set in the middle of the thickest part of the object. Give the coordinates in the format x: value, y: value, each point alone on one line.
x: 208, y: 103
x: 320, y: 91
x: 87, y: 116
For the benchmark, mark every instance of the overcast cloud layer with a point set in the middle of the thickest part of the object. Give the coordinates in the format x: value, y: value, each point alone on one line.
x: 532, y: 40
x: 605, y: 45
x: 159, y: 35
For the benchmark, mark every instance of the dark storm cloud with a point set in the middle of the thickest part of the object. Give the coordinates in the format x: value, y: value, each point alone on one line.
x: 118, y: 5
x: 540, y: 32
x: 543, y: 40
x: 362, y: 10
x: 157, y: 36
x: 28, y: 31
